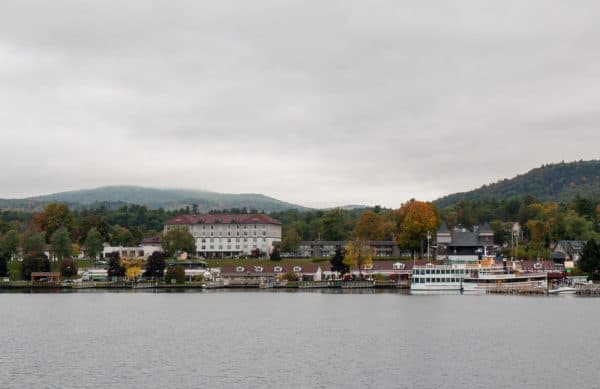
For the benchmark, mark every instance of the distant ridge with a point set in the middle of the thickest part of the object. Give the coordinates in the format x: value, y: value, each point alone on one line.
x: 156, y: 198
x: 553, y: 182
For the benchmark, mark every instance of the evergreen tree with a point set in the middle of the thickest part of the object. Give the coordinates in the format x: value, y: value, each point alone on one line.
x: 590, y: 259
x: 337, y: 261
x: 155, y: 265
x: 115, y: 268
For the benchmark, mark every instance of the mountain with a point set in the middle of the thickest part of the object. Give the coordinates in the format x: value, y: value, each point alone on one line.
x: 553, y: 182
x: 154, y: 198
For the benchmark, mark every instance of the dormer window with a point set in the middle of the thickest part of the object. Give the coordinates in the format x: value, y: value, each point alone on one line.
x: 278, y: 269
x: 239, y: 269
x: 398, y: 266
x: 368, y: 266
x: 297, y: 269
x: 537, y: 265
x: 258, y: 269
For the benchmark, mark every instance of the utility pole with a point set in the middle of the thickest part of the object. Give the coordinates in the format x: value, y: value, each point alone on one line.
x: 428, y: 239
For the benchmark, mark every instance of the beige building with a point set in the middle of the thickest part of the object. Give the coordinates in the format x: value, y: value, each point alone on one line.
x: 219, y: 236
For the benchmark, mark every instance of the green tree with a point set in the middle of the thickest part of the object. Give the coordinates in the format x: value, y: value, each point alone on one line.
x: 337, y: 262
x: 61, y: 243
x: 9, y: 243
x: 34, y: 262
x: 291, y: 240
x: 176, y: 273
x: 590, y: 259
x: 115, y: 266
x: 68, y: 268
x: 275, y: 255
x: 155, y: 265
x: 334, y: 225
x: 34, y: 242
x: 177, y: 240
x: 93, y: 243
x: 4, y: 258
x: 122, y: 236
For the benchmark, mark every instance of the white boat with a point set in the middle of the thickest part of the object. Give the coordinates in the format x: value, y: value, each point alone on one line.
x: 563, y: 290
x: 437, y: 278
x: 503, y: 277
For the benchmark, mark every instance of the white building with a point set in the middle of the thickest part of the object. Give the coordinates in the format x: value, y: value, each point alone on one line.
x: 146, y: 248
x: 230, y: 235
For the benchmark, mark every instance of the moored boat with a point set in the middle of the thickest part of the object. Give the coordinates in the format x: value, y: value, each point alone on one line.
x: 563, y: 290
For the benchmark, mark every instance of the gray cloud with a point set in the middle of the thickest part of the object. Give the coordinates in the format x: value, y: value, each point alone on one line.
x: 320, y: 103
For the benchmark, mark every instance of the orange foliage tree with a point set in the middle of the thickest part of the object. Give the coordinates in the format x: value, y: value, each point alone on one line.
x: 370, y: 226
x: 418, y: 218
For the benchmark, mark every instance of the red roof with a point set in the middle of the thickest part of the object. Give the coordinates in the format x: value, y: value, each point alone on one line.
x: 222, y: 219
x: 154, y: 239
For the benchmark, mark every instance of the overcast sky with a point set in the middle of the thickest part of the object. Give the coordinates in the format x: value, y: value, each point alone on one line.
x: 319, y: 103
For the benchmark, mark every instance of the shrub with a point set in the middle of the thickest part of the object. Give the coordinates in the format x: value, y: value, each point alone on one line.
x: 68, y: 268
x: 176, y: 273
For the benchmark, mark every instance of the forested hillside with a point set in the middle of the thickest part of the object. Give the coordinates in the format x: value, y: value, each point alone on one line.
x: 560, y: 182
x: 152, y: 198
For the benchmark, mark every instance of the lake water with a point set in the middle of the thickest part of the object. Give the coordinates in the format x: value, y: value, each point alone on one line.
x: 272, y: 339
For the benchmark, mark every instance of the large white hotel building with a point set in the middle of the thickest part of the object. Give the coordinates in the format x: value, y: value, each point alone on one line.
x: 220, y: 236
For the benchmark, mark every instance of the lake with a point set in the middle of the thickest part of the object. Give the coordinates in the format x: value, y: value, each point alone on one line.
x: 268, y: 339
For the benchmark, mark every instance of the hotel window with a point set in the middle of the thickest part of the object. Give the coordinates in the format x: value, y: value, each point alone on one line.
x: 264, y: 233
x: 237, y: 246
x: 254, y: 239
x: 228, y: 240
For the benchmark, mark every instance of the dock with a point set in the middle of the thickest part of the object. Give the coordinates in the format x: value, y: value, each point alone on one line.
x: 588, y: 289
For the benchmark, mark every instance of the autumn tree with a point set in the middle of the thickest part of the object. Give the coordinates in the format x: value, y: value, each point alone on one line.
x: 370, y: 226
x: 177, y: 240
x: 133, y: 272
x: 419, y: 219
x: 93, y: 243
x: 357, y: 254
x: 54, y: 217
x: 61, y: 243
x: 537, y: 234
